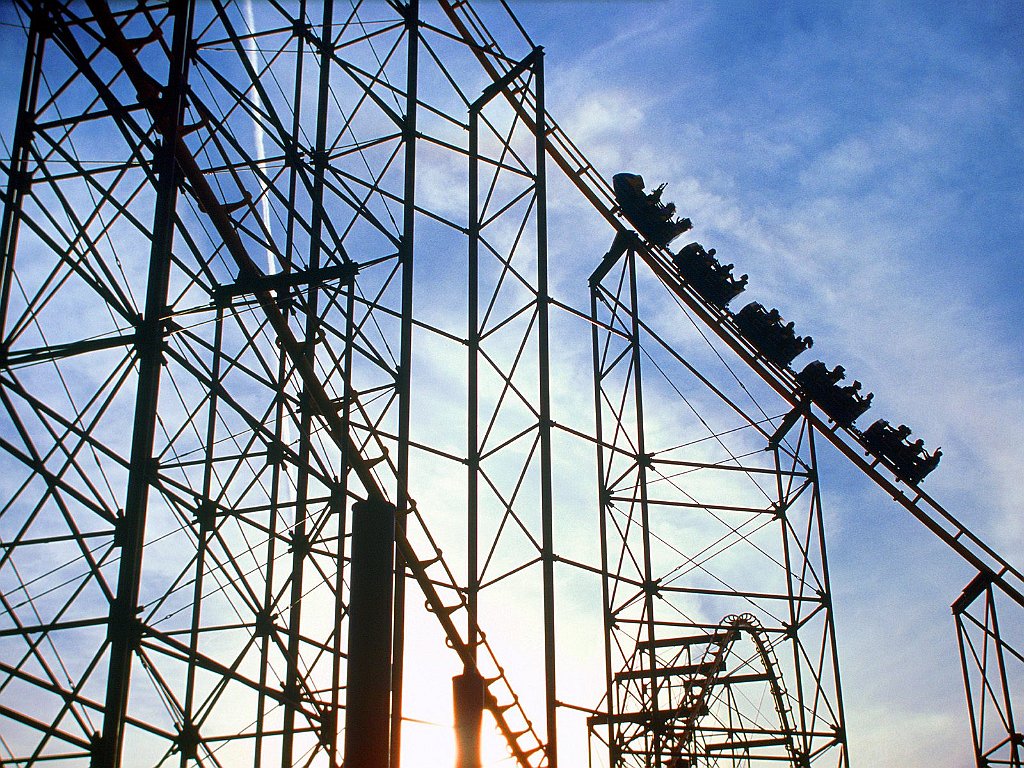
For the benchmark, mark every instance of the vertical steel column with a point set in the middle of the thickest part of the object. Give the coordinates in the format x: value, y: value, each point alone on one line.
x: 206, y: 517
x: 267, y: 632
x: 999, y: 744
x: 123, y: 628
x: 411, y: 11
x: 368, y: 696
x: 300, y: 542
x: 959, y: 609
x: 339, y: 500
x: 547, y: 533
x: 469, y: 748
x: 603, y: 503
x: 642, y: 463
x: 827, y: 601
x: 792, y: 609
x: 533, y: 63
x: 962, y: 642
x: 19, y: 177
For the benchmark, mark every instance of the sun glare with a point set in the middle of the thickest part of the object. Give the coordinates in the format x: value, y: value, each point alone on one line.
x: 432, y: 745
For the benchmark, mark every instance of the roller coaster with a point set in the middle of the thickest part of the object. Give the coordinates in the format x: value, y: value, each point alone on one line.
x: 692, y: 732
x: 226, y: 481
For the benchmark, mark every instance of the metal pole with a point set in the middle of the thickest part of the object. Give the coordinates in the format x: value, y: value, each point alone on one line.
x: 606, y: 611
x: 19, y: 178
x: 962, y: 642
x: 300, y: 545
x: 124, y: 629
x: 1015, y: 741
x: 792, y: 606
x: 406, y: 253
x: 469, y: 750
x: 642, y: 463
x: 207, y: 524
x: 547, y: 532
x: 827, y: 599
x: 368, y: 695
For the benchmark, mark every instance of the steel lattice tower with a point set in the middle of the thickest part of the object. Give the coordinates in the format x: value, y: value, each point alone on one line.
x: 278, y: 426
x: 717, y: 596
x: 227, y: 207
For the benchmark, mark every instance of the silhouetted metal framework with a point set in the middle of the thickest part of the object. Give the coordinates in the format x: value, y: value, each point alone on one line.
x: 214, y: 345
x: 1005, y: 579
x: 719, y: 634
x: 208, y: 351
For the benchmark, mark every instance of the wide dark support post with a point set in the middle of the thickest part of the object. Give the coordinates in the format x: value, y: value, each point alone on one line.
x: 368, y: 700
x: 468, y: 696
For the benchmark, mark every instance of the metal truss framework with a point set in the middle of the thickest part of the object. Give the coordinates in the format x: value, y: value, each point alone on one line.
x: 993, y: 667
x: 178, y: 589
x: 211, y: 218
x: 990, y: 565
x: 719, y: 635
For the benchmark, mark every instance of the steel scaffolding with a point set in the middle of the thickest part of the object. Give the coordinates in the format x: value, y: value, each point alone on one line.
x: 711, y: 524
x: 279, y: 441
x: 184, y: 454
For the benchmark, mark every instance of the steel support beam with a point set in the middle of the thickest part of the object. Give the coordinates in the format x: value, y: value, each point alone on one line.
x: 124, y: 627
x: 514, y: 81
x: 19, y: 177
x: 407, y: 252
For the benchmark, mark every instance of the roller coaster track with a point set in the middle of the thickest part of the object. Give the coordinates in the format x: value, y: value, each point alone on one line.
x: 431, y: 573
x: 698, y: 692
x: 848, y: 440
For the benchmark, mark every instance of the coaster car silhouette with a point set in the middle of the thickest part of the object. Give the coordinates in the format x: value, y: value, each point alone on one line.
x: 911, y: 461
x: 842, y: 404
x: 764, y: 329
x: 652, y: 218
x: 708, y: 277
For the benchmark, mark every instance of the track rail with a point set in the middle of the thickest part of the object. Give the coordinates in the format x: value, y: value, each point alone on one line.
x: 848, y: 441
x: 698, y: 692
